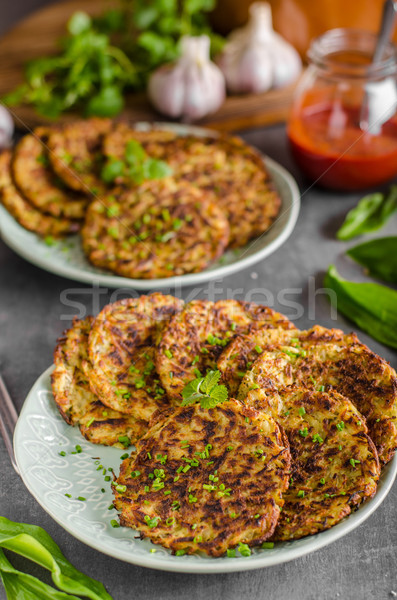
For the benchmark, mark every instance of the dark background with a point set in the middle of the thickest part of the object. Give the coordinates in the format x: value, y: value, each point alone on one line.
x: 14, y: 10
x: 360, y: 566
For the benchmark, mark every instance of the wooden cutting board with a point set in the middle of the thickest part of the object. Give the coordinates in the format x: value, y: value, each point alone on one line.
x: 37, y: 35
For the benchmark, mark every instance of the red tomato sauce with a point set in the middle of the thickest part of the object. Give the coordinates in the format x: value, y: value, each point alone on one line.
x: 331, y: 149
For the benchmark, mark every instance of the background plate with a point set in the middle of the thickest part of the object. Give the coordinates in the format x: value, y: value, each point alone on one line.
x: 39, y: 437
x: 66, y: 258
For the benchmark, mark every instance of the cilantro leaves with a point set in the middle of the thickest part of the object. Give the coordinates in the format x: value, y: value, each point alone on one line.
x: 136, y: 166
x: 205, y: 390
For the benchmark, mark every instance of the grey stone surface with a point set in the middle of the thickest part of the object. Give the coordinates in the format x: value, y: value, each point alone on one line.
x: 360, y: 566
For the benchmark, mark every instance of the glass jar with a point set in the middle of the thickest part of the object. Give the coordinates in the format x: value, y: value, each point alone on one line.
x: 343, y: 124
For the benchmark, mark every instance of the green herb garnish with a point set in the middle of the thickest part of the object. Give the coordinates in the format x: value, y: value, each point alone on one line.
x: 205, y: 390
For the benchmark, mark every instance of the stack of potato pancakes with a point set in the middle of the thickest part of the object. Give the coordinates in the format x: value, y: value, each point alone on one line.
x: 245, y: 429
x: 148, y: 204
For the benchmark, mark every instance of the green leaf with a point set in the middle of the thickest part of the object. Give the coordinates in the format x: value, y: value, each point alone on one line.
x: 22, y: 586
x: 156, y: 169
x: 205, y: 390
x: 78, y: 23
x: 112, y: 170
x: 153, y: 43
x: 34, y: 543
x: 192, y: 389
x: 370, y: 214
x: 134, y: 152
x: 108, y: 102
x: 220, y: 393
x: 208, y: 402
x: 210, y: 381
x: 371, y: 306
x: 193, y: 6
x: 379, y: 257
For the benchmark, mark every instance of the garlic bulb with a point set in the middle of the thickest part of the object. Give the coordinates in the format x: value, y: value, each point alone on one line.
x: 190, y: 88
x: 6, y: 128
x: 256, y: 58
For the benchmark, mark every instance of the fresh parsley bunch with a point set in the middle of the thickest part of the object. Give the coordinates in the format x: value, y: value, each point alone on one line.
x: 205, y: 390
x: 90, y: 73
x: 102, y: 57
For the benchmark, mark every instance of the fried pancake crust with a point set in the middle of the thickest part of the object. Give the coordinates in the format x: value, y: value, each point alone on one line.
x: 121, y: 346
x: 38, y: 184
x: 75, y: 153
x: 335, y: 465
x: 230, y: 172
x: 24, y: 213
x: 243, y: 351
x: 327, y: 357
x: 205, y: 479
x: 74, y: 398
x: 196, y: 337
x: 159, y: 229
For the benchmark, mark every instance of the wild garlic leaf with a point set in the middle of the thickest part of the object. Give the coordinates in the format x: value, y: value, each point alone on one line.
x: 378, y: 256
x: 34, y: 543
x: 371, y: 306
x: 370, y: 214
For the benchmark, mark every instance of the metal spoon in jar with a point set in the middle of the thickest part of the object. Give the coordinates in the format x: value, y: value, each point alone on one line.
x: 378, y: 92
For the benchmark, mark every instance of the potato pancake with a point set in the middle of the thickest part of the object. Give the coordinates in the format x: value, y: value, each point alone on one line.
x: 197, y: 335
x: 74, y: 398
x: 335, y: 465
x: 328, y: 358
x: 27, y: 216
x: 242, y: 352
x: 122, y: 345
x: 76, y: 156
x: 205, y: 479
x: 38, y: 184
x: 159, y: 229
x: 229, y: 171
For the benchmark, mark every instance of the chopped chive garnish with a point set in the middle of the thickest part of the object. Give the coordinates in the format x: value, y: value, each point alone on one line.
x: 244, y: 549
x: 114, y: 523
x: 302, y: 411
x: 81, y: 498
x: 168, y: 353
x: 301, y: 494
x: 267, y: 545
x: 68, y: 495
x: 62, y: 453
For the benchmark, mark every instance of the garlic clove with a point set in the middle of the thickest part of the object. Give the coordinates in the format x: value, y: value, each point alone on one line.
x: 190, y: 88
x: 256, y: 58
x: 287, y: 64
x: 6, y: 128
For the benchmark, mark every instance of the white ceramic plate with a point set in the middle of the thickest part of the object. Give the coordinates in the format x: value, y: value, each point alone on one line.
x: 66, y: 258
x: 39, y: 437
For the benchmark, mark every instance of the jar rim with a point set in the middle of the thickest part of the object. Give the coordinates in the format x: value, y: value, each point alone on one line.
x: 324, y: 49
